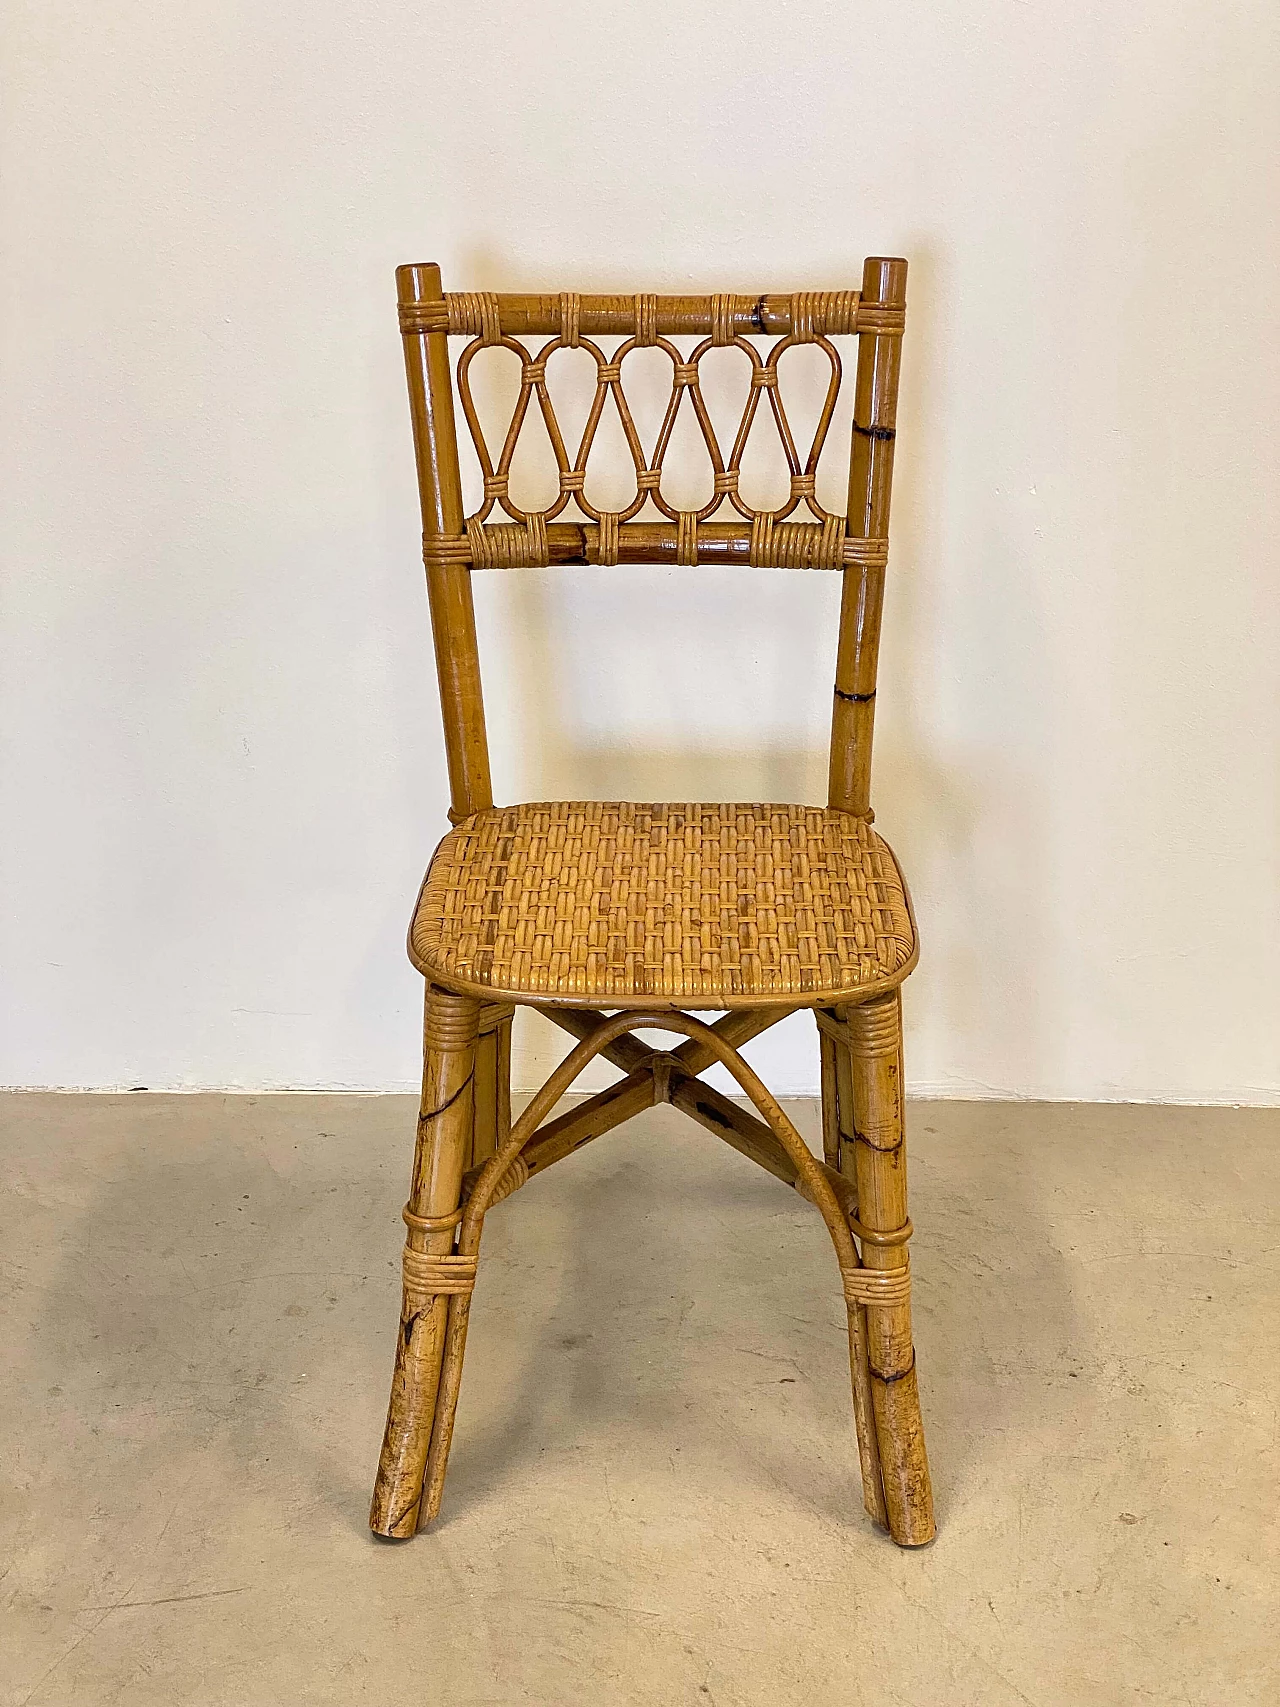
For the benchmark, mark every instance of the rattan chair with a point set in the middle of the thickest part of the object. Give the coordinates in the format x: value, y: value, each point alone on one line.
x: 607, y: 917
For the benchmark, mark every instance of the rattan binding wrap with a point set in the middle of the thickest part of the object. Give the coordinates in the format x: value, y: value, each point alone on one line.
x: 706, y: 906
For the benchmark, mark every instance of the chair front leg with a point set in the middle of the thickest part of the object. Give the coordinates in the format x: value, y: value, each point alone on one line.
x: 880, y: 1166
x: 442, y: 1153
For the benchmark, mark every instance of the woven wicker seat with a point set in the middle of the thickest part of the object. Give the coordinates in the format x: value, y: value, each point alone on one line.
x: 615, y: 918
x: 703, y: 906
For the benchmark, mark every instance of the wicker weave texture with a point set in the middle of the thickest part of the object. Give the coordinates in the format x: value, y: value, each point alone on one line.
x: 701, y: 905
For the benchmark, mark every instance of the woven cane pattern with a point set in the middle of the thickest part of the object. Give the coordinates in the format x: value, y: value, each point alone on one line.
x: 695, y: 904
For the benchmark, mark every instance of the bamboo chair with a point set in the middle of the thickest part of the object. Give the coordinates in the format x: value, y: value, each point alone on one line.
x: 584, y: 910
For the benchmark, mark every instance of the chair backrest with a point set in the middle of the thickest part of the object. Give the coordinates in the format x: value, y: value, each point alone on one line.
x: 798, y: 534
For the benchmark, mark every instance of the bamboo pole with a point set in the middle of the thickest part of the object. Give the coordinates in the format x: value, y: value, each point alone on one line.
x: 875, y: 413
x: 453, y: 622
x: 830, y: 1113
x: 440, y: 1154
x: 875, y: 1037
x: 495, y: 1019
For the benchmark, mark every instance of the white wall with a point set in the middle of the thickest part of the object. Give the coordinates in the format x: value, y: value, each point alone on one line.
x: 222, y: 770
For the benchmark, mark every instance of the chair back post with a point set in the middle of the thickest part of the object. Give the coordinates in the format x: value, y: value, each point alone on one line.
x: 453, y: 622
x: 875, y: 409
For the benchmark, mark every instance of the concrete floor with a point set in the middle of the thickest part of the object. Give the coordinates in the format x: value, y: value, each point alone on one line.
x: 653, y: 1496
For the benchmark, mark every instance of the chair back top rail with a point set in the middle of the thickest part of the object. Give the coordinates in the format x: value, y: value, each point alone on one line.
x: 646, y: 317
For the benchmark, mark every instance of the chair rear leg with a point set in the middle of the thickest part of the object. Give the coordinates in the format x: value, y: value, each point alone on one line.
x: 880, y: 1166
x: 493, y: 1083
x: 442, y: 1153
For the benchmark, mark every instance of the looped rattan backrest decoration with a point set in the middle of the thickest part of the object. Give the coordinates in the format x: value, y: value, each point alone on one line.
x: 799, y: 533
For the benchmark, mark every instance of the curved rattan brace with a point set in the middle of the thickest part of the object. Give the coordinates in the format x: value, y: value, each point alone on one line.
x: 815, y: 1187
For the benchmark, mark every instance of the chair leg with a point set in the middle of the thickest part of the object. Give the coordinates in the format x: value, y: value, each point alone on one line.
x: 880, y: 1166
x: 837, y: 1143
x: 442, y: 1153
x: 828, y: 1046
x: 493, y: 1083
